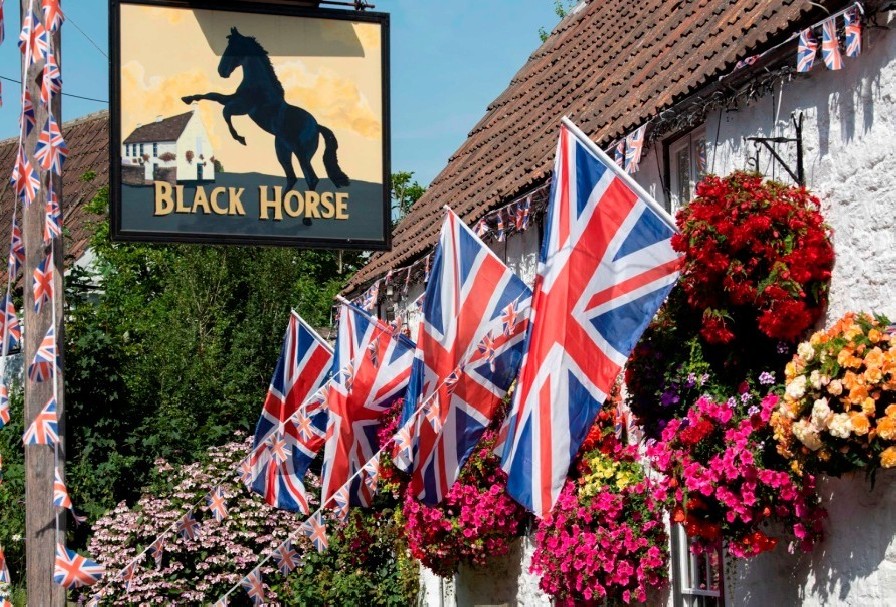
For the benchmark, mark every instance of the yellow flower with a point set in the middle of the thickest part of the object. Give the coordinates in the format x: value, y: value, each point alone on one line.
x: 860, y: 423
x: 891, y: 411
x: 886, y: 428
x: 874, y: 357
x: 858, y: 394
x: 873, y: 375
x: 888, y: 457
x: 817, y: 338
x: 874, y: 336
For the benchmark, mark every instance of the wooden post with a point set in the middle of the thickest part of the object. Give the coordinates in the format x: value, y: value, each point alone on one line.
x: 40, y: 514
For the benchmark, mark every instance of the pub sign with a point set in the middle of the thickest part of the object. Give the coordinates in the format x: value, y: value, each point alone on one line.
x: 249, y: 123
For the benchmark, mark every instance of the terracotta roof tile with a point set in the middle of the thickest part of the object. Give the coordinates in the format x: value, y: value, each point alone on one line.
x: 609, y: 66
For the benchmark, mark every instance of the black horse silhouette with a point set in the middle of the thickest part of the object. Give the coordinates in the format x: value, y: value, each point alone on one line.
x: 260, y: 95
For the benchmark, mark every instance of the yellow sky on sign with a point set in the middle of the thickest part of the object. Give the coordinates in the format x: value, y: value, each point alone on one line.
x: 331, y: 68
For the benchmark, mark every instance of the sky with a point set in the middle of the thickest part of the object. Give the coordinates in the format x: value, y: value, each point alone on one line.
x: 449, y: 60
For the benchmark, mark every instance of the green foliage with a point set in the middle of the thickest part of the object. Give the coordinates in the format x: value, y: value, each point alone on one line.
x: 405, y: 193
x: 12, y: 489
x: 561, y: 8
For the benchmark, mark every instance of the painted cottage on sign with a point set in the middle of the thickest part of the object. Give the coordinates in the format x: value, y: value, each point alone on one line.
x: 173, y: 149
x: 801, y: 92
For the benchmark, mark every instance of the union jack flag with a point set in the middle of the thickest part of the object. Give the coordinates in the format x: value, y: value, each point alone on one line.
x: 34, y: 39
x: 9, y: 325
x: 53, y: 16
x: 2, y: 25
x: 619, y: 154
x: 74, y: 570
x: 499, y: 232
x: 4, y: 404
x: 16, y: 250
x: 25, y: 179
x: 46, y: 356
x: 830, y: 45
x: 340, y: 502
x: 4, y: 570
x: 315, y: 530
x: 633, y: 145
x: 246, y: 471
x: 51, y: 149
x: 188, y: 526
x: 852, y: 25
x: 426, y: 269
x: 606, y: 265
x: 254, y: 586
x: 806, y: 51
x: 746, y: 61
x: 43, y: 282
x: 28, y: 22
x: 61, y: 498
x: 157, y: 551
x: 216, y: 504
x: 287, y: 437
x: 286, y: 557
x: 370, y: 473
x: 467, y: 355
x: 127, y: 574
x: 51, y: 82
x: 360, y: 396
x: 27, y: 119
x: 521, y: 218
x: 44, y: 430
x: 370, y: 297
x: 53, y: 219
x: 482, y: 228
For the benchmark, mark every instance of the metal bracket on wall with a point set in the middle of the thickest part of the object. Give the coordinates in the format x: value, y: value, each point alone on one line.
x: 769, y: 142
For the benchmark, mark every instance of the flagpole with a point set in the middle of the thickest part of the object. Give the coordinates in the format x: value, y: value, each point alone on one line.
x: 620, y: 172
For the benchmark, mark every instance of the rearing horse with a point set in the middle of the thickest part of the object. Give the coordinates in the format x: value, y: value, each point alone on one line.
x: 260, y: 96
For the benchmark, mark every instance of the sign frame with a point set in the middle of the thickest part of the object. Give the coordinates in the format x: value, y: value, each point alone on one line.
x: 118, y: 233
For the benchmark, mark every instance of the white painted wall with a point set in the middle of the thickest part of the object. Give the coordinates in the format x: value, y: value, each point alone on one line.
x: 849, y: 139
x: 195, y: 139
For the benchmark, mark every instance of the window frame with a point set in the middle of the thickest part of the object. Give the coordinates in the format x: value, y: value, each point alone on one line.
x: 684, y: 140
x: 682, y: 562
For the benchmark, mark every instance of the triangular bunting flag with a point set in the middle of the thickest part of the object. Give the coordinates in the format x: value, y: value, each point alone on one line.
x: 74, y: 570
x: 44, y: 430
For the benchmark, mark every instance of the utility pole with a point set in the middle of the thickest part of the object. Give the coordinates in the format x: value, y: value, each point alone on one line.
x: 40, y: 514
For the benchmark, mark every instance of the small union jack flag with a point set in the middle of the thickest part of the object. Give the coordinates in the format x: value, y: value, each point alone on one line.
x: 43, y: 282
x: 371, y: 297
x: 188, y: 526
x: 746, y: 61
x: 254, y: 587
x: 216, y: 504
x: 51, y: 82
x: 34, y: 40
x: 53, y: 219
x: 53, y: 16
x: 619, y: 153
x: 830, y: 45
x: 61, y: 498
x: 157, y: 550
x: 371, y: 473
x: 521, y: 219
x: 852, y: 25
x: 372, y: 350
x: 4, y: 570
x: 633, y: 145
x: 24, y: 36
x: 509, y: 318
x: 9, y: 325
x: 487, y: 348
x: 2, y: 25
x: 481, y: 228
x: 51, y: 149
x: 341, y: 502
x: 127, y: 574
x: 279, y: 448
x: 27, y: 119
x: 74, y: 570
x: 499, y: 232
x: 426, y: 268
x: 314, y: 529
x: 433, y: 412
x: 44, y: 430
x: 46, y: 356
x: 286, y: 557
x: 26, y: 179
x: 16, y: 250
x: 4, y: 404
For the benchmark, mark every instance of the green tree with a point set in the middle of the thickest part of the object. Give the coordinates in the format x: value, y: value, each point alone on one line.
x: 561, y: 8
x: 405, y: 192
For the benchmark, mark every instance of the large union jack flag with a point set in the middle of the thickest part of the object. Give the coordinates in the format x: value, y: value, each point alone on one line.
x: 44, y: 430
x: 287, y: 437
x: 468, y: 353
x: 852, y: 26
x: 74, y: 570
x: 830, y: 45
x: 606, y: 266
x: 51, y: 149
x: 372, y: 368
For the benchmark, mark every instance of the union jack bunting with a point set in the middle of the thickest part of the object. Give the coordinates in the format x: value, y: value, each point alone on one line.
x: 34, y: 40
x: 254, y: 586
x: 46, y: 356
x: 74, y: 570
x: 216, y: 504
x: 830, y: 45
x: 619, y: 154
x: 44, y: 430
x: 53, y: 219
x: 51, y: 82
x: 426, y: 269
x: 42, y: 286
x: 521, y: 217
x: 852, y: 26
x: 371, y: 297
x: 287, y: 437
x: 633, y: 145
x: 127, y: 574
x: 746, y: 61
x: 2, y: 24
x: 359, y: 396
x: 466, y: 357
x: 4, y: 570
x: 286, y: 557
x: 61, y: 498
x: 499, y: 231
x: 4, y: 404
x: 340, y: 502
x: 370, y: 473
x: 16, y: 250
x: 28, y: 22
x: 27, y: 119
x: 482, y: 228
x: 606, y: 266
x: 51, y: 149
x: 188, y: 526
x: 9, y: 325
x: 53, y: 16
x: 314, y: 529
x: 246, y: 471
x: 25, y: 179
x: 157, y: 551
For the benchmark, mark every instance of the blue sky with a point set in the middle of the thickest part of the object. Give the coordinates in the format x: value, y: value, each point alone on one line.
x: 449, y: 61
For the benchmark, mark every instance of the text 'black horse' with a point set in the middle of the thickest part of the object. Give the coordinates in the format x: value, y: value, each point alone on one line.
x: 260, y: 96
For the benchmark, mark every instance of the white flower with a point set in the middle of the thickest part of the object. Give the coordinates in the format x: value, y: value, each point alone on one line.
x: 797, y: 387
x: 835, y: 387
x: 806, y: 351
x: 806, y: 435
x: 821, y: 414
x: 840, y: 426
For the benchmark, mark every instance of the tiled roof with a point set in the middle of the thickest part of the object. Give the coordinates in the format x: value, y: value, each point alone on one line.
x: 168, y: 129
x: 88, y: 142
x: 609, y: 66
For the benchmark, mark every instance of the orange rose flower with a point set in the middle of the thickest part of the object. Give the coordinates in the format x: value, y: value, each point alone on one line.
x: 888, y: 457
